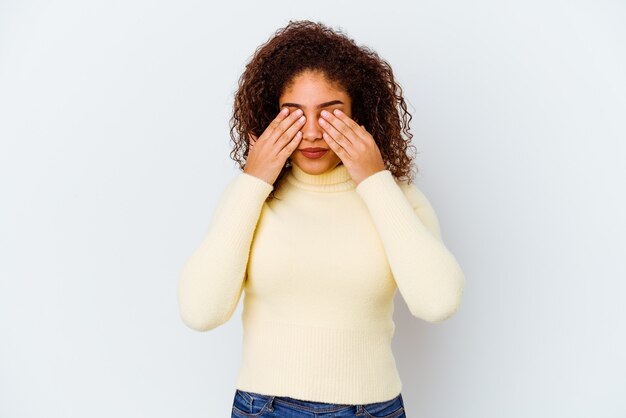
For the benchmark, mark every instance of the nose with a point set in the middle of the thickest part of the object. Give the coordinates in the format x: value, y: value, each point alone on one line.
x: 311, y: 130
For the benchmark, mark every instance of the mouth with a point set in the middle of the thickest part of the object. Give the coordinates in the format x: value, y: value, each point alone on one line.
x: 314, y: 152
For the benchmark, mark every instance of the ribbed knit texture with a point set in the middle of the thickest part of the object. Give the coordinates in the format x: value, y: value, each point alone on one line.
x: 319, y: 266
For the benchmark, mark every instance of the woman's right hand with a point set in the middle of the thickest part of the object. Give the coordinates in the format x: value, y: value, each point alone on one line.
x: 269, y: 152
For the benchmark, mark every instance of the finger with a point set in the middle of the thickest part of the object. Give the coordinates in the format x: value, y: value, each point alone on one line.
x: 282, y: 115
x: 291, y: 146
x: 366, y: 135
x: 337, y: 136
x: 348, y: 121
x: 341, y: 152
x: 288, y: 135
x: 252, y: 138
x: 284, y: 125
x: 340, y: 126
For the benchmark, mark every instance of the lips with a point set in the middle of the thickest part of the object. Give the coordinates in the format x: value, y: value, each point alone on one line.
x: 314, y: 152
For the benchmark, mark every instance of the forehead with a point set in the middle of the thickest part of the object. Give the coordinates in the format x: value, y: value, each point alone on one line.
x: 313, y: 84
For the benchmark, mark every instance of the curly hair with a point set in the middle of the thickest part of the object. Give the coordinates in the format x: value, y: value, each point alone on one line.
x: 377, y: 101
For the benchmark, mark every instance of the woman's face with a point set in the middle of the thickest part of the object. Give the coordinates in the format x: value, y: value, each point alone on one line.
x: 311, y: 92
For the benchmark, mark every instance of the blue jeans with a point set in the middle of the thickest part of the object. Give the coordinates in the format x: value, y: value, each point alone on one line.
x: 250, y: 404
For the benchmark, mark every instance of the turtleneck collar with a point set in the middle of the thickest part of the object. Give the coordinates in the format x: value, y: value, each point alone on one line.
x: 336, y: 179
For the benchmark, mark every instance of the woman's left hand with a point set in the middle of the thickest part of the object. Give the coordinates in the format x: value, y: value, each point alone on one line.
x: 352, y: 144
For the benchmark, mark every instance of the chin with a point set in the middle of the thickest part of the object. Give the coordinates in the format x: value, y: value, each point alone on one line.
x: 316, y: 166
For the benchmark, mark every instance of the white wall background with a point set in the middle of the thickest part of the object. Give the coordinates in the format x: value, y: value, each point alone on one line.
x: 114, y: 144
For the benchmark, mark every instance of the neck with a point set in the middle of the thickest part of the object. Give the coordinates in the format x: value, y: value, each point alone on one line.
x: 333, y: 180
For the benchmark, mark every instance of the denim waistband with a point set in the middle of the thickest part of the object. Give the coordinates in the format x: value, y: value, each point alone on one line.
x: 312, y: 406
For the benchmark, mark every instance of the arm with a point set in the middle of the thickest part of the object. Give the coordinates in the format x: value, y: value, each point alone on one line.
x: 211, y: 282
x: 426, y: 272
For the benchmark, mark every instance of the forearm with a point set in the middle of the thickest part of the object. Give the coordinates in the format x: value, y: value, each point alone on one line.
x: 210, y: 283
x: 426, y: 272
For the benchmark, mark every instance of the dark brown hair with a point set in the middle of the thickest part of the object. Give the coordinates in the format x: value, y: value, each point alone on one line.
x: 377, y: 101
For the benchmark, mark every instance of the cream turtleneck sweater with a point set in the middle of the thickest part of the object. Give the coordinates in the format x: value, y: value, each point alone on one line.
x: 320, y: 265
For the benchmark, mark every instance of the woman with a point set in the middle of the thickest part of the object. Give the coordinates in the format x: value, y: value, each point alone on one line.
x: 319, y: 230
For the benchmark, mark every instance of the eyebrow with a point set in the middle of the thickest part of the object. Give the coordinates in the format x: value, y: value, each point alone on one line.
x: 319, y: 106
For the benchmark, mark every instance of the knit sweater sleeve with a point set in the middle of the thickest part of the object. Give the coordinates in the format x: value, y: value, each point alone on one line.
x: 428, y: 275
x: 211, y: 281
